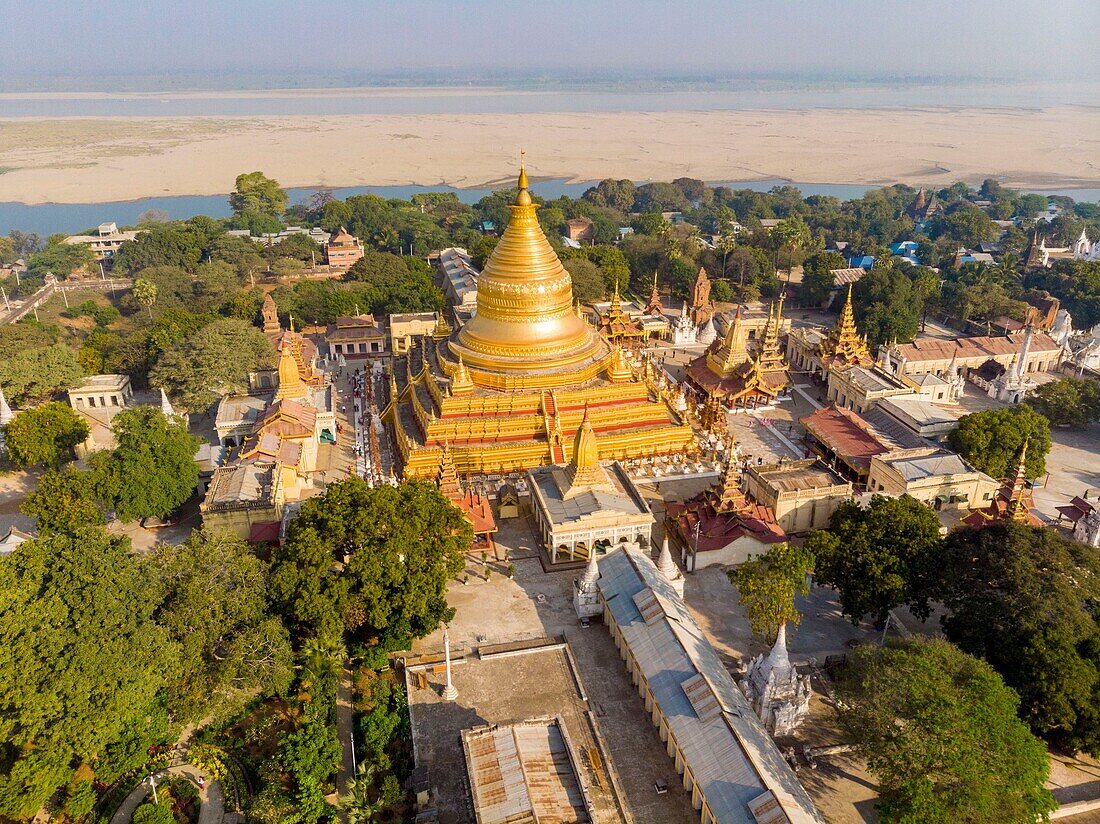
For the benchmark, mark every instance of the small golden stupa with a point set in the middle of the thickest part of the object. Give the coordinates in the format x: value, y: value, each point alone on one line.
x: 502, y: 389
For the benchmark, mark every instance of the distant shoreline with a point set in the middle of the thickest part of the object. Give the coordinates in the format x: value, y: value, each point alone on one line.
x: 74, y: 160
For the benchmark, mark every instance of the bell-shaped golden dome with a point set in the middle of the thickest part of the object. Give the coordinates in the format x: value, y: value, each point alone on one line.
x: 526, y: 333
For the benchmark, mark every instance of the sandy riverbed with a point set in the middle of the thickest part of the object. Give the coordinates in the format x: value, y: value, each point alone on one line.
x: 73, y: 160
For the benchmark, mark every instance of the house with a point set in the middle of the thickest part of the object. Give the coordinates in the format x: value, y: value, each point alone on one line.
x: 342, y: 249
x: 408, y: 325
x: 458, y: 276
x: 99, y: 398
x: 12, y: 539
x: 580, y: 229
x: 802, y: 495
x: 106, y: 242
x: 906, y: 250
x: 932, y: 475
x: 356, y: 337
x: 964, y: 256
x: 862, y: 262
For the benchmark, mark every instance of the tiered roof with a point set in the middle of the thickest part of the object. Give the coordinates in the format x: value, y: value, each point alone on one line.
x: 722, y: 514
x: 843, y: 347
x: 1013, y: 501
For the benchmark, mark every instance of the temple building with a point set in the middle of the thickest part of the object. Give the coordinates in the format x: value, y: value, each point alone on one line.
x: 801, y: 495
x: 1013, y: 501
x: 504, y: 387
x: 729, y: 764
x: 654, y: 306
x: 841, y: 348
x: 273, y: 444
x: 584, y: 506
x: 685, y: 333
x: 702, y: 310
x: 967, y: 355
x: 617, y: 327
x: 721, y: 525
x: 474, y: 504
x: 343, y: 249
x: 356, y: 336
x: 728, y: 370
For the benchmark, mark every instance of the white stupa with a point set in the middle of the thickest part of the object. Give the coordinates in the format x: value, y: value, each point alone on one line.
x: 669, y: 569
x: 685, y: 332
x: 6, y: 415
x: 586, y: 594
x: 707, y: 333
x: 778, y: 694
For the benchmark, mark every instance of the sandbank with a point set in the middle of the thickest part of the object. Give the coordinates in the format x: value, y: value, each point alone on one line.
x: 77, y: 160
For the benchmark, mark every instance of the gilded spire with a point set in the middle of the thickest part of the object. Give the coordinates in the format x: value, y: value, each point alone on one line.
x: 1017, y: 504
x: 843, y: 347
x: 447, y: 476
x: 584, y: 471
x: 733, y: 350
x: 525, y: 332
x: 460, y: 381
x: 290, y: 379
x: 523, y: 197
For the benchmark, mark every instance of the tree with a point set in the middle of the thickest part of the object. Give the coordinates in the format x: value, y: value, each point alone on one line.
x: 212, y: 362
x: 767, y: 587
x: 81, y: 660
x: 991, y: 440
x: 145, y: 293
x: 939, y: 731
x: 817, y: 276
x: 880, y: 557
x: 793, y: 233
x: 255, y: 193
x: 887, y: 305
x: 61, y: 259
x: 153, y: 813
x: 215, y: 607
x: 398, y: 546
x: 1067, y: 402
x: 1023, y: 598
x: 63, y: 501
x: 615, y: 194
x: 46, y: 435
x: 588, y: 282
x: 152, y: 471
x: 32, y: 374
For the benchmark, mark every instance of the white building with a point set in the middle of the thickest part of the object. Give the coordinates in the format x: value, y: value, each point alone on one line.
x: 732, y: 769
x: 105, y: 242
x: 779, y: 695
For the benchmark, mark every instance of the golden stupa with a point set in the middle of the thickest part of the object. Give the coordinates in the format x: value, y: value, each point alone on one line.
x: 502, y: 389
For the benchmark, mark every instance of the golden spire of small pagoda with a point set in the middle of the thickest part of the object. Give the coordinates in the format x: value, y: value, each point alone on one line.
x: 290, y: 379
x: 1017, y: 504
x: 843, y: 347
x: 619, y: 369
x: 584, y: 471
x: 460, y: 381
x: 442, y: 329
x: 447, y: 476
x: 733, y: 351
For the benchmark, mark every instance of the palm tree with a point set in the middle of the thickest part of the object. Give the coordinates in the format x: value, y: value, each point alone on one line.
x: 793, y: 233
x: 356, y: 801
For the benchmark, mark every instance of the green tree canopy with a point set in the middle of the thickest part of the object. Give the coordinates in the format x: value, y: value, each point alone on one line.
x: 817, y: 276
x: 257, y: 193
x: 1067, y: 402
x: 212, y: 362
x: 61, y: 260
x: 939, y: 731
x: 991, y: 440
x: 588, y: 282
x: 880, y: 557
x: 152, y: 471
x: 394, y: 548
x: 45, y: 435
x: 767, y: 587
x: 64, y: 501
x: 1024, y: 599
x: 36, y: 373
x: 81, y: 659
x: 215, y: 608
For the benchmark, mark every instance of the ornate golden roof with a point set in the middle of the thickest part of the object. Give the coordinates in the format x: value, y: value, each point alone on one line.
x: 843, y: 347
x: 525, y: 327
x: 584, y: 472
x: 290, y: 379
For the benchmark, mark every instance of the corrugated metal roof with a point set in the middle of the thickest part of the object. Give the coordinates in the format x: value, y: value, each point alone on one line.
x: 735, y: 761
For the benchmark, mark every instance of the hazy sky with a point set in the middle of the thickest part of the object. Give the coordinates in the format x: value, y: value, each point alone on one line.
x: 43, y: 40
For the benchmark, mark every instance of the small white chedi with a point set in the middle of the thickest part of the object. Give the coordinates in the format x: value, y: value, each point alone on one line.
x: 778, y: 694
